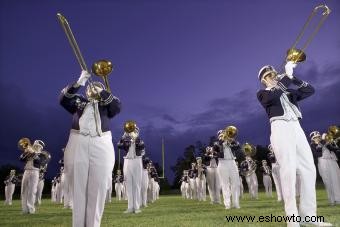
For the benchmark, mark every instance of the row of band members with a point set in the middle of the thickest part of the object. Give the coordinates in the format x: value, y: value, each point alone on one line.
x: 218, y: 171
x: 144, y: 187
x: 149, y: 186
x: 193, y: 180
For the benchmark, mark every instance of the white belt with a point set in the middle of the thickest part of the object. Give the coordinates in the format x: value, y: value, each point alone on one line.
x: 88, y: 133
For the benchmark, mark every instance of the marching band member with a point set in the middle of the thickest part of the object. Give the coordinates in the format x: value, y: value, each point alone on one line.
x: 156, y: 187
x: 42, y: 171
x: 10, y: 182
x: 145, y: 182
x: 132, y: 169
x: 89, y: 154
x: 184, y: 181
x: 248, y: 169
x: 67, y: 186
x: 327, y: 165
x: 267, y: 180
x: 60, y: 187
x: 192, y: 181
x: 153, y: 184
x: 226, y: 149
x: 119, y: 187
x: 200, y: 179
x: 150, y: 183
x: 213, y: 180
x: 53, y: 190
x: 34, y: 158
x: 288, y: 140
x: 275, y: 172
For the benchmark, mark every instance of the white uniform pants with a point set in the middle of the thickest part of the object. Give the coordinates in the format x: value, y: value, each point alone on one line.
x: 29, y: 186
x: 150, y: 189
x: 214, y: 186
x: 199, y: 188
x: 267, y: 182
x: 293, y: 154
x: 277, y: 182
x: 144, y: 187
x: 53, y: 194
x: 124, y: 191
x: 109, y: 191
x: 60, y: 190
x: 90, y: 161
x: 230, y: 182
x: 133, y: 179
x: 119, y: 187
x: 253, y: 185
x: 193, y: 188
x: 330, y: 174
x: 68, y: 192
x: 9, y: 190
x: 183, y: 189
x: 241, y: 187
x: 156, y: 191
x: 39, y: 191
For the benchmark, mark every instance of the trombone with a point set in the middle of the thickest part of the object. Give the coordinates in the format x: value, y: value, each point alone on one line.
x: 298, y: 55
x: 100, y: 68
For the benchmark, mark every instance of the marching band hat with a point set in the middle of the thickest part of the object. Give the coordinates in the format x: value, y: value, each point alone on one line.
x: 265, y: 70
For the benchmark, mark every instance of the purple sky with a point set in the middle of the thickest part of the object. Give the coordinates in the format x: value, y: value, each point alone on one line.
x: 183, y: 69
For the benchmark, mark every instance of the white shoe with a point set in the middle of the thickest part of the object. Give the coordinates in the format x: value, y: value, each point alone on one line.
x: 128, y: 211
x: 137, y: 211
x: 319, y: 224
x: 293, y: 224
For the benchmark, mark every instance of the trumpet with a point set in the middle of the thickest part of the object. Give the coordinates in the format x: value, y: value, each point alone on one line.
x: 298, y: 55
x: 101, y: 68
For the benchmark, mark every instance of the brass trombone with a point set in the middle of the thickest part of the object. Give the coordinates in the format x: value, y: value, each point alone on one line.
x: 298, y: 55
x: 100, y: 68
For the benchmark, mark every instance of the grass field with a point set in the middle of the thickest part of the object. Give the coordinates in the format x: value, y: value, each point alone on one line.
x: 169, y: 210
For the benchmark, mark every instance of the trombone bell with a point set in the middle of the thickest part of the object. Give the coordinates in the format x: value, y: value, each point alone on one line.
x: 103, y: 68
x: 295, y: 55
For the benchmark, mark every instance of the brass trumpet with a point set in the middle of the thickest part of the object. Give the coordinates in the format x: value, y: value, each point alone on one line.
x: 298, y: 55
x: 101, y: 68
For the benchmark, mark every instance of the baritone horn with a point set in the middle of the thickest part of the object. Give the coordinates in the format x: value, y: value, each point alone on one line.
x: 101, y: 68
x: 298, y: 55
x: 334, y: 131
x: 230, y: 132
x: 130, y: 126
x: 249, y: 149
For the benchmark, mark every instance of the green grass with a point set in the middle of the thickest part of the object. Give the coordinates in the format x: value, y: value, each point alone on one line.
x: 169, y: 210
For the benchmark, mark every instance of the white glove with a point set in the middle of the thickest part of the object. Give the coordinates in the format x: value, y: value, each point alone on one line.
x: 84, y: 76
x: 289, y: 69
